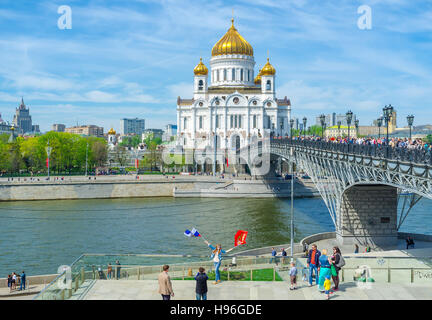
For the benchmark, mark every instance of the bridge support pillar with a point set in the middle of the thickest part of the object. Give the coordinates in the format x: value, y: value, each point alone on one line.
x: 368, y: 216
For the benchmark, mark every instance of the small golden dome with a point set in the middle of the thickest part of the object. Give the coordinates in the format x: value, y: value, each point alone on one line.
x: 258, y: 78
x: 268, y: 69
x: 111, y: 132
x: 232, y: 43
x: 201, y: 69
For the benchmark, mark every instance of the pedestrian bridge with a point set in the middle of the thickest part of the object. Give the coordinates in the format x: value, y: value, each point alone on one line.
x: 362, y: 185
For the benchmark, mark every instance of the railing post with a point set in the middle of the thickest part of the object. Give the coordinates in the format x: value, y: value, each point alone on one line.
x: 82, y: 275
x: 274, y: 273
x: 228, y: 274
x: 251, y: 274
x: 412, y: 275
x: 388, y: 274
x: 183, y: 273
x: 138, y: 273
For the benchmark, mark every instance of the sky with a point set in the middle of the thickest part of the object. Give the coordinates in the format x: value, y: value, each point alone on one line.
x: 132, y: 58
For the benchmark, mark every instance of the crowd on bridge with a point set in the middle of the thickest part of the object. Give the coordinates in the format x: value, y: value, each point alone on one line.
x: 412, y: 144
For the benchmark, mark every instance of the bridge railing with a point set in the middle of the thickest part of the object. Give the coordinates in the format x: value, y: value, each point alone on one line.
x: 417, y: 156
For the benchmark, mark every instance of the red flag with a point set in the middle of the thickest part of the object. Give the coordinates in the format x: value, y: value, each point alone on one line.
x: 226, y: 158
x: 47, y: 162
x: 136, y: 163
x: 240, y: 238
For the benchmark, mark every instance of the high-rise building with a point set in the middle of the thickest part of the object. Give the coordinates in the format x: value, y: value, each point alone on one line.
x: 128, y: 126
x: 58, y: 127
x: 89, y: 130
x: 22, y: 119
x: 5, y: 127
x: 170, y: 131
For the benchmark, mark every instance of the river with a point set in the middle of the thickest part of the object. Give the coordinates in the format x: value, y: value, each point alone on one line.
x: 39, y: 236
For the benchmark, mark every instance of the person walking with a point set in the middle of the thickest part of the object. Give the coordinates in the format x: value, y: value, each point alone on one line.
x: 109, y: 271
x: 283, y: 254
x: 293, y: 276
x: 336, y: 260
x: 118, y: 269
x: 9, y: 282
x: 313, y: 263
x: 273, y: 258
x: 165, y: 286
x: 14, y: 278
x: 23, y: 281
x: 201, y: 284
x: 356, y: 248
x: 324, y: 272
x: 217, y: 259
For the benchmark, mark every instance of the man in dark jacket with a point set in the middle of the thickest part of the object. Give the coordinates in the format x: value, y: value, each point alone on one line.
x: 313, y: 263
x: 201, y: 284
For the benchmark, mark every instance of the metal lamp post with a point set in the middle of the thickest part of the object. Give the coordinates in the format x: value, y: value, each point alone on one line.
x: 86, y: 159
x: 291, y: 127
x: 410, y: 120
x: 356, y: 123
x: 304, y: 127
x: 322, y: 120
x: 349, y: 116
x: 292, y: 204
x: 48, y: 151
x: 379, y: 123
x: 388, y: 112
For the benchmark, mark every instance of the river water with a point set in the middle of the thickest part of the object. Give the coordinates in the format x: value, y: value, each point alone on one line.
x: 39, y: 236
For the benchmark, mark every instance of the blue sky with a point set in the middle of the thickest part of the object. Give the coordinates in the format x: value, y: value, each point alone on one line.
x: 132, y: 58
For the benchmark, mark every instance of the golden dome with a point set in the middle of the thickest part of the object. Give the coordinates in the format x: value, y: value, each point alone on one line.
x: 112, y: 132
x: 232, y: 43
x: 268, y: 69
x: 258, y: 78
x: 201, y: 69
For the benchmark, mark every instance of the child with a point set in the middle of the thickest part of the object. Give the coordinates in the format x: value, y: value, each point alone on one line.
x: 293, y: 276
x: 327, y: 286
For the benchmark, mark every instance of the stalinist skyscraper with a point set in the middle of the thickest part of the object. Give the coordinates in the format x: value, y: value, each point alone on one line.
x: 22, y: 118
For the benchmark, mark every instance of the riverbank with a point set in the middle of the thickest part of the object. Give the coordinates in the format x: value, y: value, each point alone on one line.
x: 131, y: 186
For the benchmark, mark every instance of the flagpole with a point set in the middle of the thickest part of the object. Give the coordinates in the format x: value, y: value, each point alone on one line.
x: 292, y: 204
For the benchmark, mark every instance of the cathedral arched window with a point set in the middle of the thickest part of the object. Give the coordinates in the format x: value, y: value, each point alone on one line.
x: 217, y: 75
x: 248, y: 77
x: 233, y: 74
x: 185, y: 123
x: 241, y: 74
x: 200, y: 122
x: 225, y: 74
x: 200, y: 85
x: 268, y: 86
x: 254, y: 121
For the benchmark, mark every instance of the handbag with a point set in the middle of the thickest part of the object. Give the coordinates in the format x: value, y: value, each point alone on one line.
x: 333, y: 271
x: 341, y: 262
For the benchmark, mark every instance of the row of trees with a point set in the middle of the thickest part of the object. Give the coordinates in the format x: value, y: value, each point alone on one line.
x: 68, y: 154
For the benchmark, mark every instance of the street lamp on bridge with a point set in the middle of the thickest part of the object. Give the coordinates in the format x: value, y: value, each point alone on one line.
x: 304, y: 127
x: 322, y: 119
x: 410, y: 120
x: 388, y: 113
x: 349, y: 116
x: 291, y: 127
x: 356, y: 123
x: 379, y: 123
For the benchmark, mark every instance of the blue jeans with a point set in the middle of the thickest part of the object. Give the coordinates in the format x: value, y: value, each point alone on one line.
x: 201, y: 296
x: 22, y: 284
x: 217, y: 266
x: 311, y: 268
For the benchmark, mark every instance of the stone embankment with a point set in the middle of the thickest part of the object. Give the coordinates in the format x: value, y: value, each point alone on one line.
x: 129, y: 186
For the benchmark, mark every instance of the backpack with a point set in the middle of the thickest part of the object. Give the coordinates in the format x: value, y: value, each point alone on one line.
x: 341, y: 262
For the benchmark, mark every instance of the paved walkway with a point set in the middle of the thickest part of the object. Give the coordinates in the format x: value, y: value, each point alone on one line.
x: 27, y: 294
x: 247, y: 290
